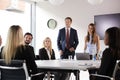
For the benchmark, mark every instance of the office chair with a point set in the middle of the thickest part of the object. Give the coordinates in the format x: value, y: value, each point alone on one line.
x: 17, y: 70
x: 37, y: 57
x: 49, y: 76
x: 116, y: 73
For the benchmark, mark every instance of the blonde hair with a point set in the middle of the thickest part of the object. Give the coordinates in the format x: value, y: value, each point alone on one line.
x: 14, y: 40
x: 50, y: 44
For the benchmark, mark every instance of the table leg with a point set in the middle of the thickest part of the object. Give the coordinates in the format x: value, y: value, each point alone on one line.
x: 77, y: 75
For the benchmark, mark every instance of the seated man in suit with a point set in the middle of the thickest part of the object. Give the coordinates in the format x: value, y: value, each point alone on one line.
x: 28, y: 39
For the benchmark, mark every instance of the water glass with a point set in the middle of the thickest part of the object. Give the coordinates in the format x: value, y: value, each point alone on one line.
x: 70, y: 57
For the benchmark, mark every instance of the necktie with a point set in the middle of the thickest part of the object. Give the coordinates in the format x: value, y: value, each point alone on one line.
x: 67, y: 39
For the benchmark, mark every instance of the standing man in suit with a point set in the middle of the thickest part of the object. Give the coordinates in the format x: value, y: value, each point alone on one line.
x: 67, y: 43
x: 67, y: 40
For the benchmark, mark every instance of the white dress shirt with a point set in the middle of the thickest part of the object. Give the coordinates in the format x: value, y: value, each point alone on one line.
x: 48, y: 52
x: 68, y: 30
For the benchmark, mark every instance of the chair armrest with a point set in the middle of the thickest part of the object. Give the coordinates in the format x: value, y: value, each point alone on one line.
x: 102, y: 76
x: 32, y: 75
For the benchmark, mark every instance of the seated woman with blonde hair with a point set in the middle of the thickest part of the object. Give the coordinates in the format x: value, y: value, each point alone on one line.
x: 47, y: 53
x: 15, y: 49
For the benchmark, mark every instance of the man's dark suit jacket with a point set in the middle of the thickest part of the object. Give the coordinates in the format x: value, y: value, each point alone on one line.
x: 61, y: 40
x: 44, y: 56
x: 32, y: 49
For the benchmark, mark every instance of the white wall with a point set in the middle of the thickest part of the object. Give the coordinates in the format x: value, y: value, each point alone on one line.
x: 8, y: 18
x: 81, y: 12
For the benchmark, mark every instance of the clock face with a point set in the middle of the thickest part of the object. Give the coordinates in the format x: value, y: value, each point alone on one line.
x: 52, y: 23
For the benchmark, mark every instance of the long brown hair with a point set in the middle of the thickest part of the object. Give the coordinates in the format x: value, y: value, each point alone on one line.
x: 93, y: 34
x: 14, y: 39
x: 114, y: 40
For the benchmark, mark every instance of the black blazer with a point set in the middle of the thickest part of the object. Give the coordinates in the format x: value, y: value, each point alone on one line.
x: 61, y: 40
x: 108, y: 63
x: 31, y: 49
x: 1, y: 52
x: 25, y: 53
x: 44, y: 56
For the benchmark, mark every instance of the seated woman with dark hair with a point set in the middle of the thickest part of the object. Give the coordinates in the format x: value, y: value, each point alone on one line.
x: 110, y: 54
x: 15, y: 49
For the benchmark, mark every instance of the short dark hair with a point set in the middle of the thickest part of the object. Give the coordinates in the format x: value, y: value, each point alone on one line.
x: 69, y: 18
x: 28, y: 34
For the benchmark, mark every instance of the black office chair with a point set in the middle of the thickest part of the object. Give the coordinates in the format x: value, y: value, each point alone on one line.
x: 17, y: 70
x: 49, y: 76
x: 116, y: 73
x: 37, y: 57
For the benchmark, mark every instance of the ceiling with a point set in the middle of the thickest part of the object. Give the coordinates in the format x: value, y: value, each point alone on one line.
x: 81, y: 8
x: 81, y: 11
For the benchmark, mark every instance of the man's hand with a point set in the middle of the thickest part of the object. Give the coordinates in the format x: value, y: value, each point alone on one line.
x: 61, y: 52
x: 71, y: 49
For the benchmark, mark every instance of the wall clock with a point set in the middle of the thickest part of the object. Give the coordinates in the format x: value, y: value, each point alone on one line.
x: 52, y: 24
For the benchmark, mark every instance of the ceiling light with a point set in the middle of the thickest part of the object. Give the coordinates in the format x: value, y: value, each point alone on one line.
x: 95, y: 2
x: 56, y: 2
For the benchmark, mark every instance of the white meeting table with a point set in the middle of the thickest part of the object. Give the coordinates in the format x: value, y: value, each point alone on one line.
x: 68, y: 65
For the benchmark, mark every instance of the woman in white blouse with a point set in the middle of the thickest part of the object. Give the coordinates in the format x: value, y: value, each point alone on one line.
x: 92, y: 41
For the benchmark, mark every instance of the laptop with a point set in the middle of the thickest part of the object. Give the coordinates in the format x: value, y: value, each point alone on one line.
x: 82, y: 56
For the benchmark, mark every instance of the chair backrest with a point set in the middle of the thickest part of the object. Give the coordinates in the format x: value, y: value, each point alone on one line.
x: 82, y: 56
x: 15, y: 71
x: 116, y: 73
x: 37, y: 57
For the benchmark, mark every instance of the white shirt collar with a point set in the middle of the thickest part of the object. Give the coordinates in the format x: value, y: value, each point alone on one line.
x: 67, y: 28
x: 48, y: 52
